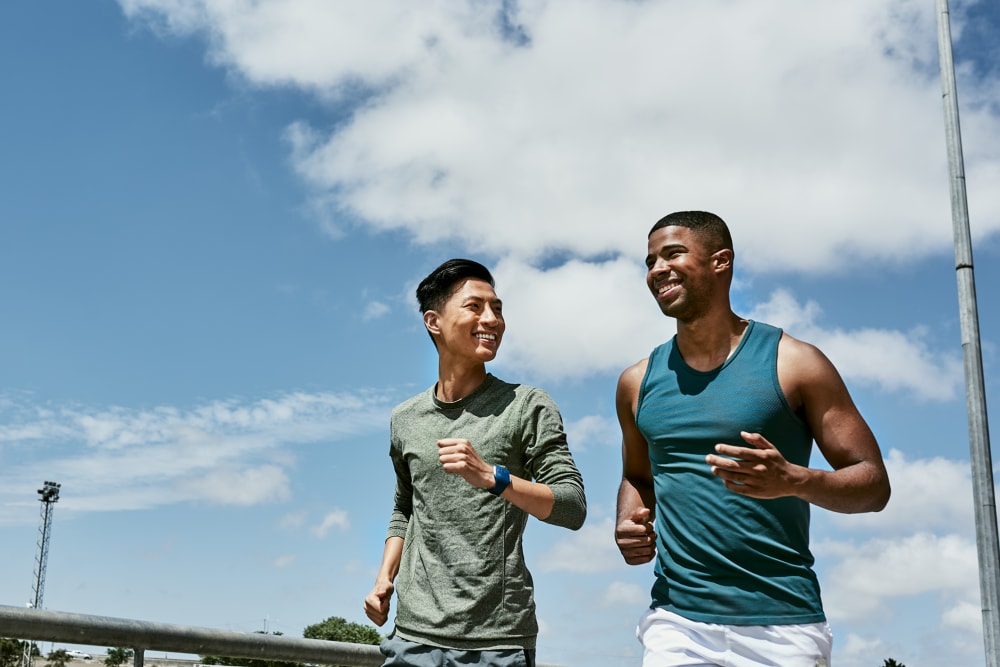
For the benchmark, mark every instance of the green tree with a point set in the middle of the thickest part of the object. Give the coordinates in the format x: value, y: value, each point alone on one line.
x: 58, y: 658
x: 247, y: 662
x: 336, y: 629
x: 889, y: 662
x: 118, y: 656
x: 11, y: 651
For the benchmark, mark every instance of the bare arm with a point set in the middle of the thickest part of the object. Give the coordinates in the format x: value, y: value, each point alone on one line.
x: 814, y: 388
x: 377, y: 602
x: 636, y: 502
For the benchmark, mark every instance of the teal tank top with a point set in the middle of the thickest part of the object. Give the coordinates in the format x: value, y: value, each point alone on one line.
x: 722, y: 557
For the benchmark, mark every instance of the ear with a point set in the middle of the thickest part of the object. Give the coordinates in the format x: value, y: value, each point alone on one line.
x: 432, y: 322
x: 723, y: 260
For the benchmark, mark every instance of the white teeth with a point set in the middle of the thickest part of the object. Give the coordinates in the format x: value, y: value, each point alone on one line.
x: 486, y: 336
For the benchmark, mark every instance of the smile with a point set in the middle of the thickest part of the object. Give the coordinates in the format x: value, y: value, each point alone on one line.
x: 665, y: 287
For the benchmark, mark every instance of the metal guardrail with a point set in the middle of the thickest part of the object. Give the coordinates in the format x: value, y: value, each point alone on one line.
x: 141, y: 636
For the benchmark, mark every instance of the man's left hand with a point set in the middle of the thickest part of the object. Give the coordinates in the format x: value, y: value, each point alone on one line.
x: 758, y: 471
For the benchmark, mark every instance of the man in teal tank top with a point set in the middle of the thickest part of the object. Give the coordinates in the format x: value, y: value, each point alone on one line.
x: 474, y: 456
x: 717, y: 429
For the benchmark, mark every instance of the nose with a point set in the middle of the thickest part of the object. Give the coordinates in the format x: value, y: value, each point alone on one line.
x: 658, y: 267
x: 489, y: 318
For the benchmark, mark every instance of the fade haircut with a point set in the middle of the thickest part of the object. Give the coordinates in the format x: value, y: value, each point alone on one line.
x: 707, y: 225
x: 434, y: 290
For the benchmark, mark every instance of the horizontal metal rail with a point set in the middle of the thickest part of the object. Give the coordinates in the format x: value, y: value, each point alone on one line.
x: 141, y: 636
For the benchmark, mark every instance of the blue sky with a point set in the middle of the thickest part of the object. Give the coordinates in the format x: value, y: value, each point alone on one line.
x: 213, y: 216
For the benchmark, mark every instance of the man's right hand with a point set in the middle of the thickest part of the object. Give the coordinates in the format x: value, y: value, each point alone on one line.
x: 636, y: 538
x: 377, y: 603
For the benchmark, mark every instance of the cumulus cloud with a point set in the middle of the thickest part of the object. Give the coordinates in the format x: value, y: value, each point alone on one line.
x: 577, y: 319
x: 890, y: 359
x: 533, y: 130
x: 871, y: 575
x: 927, y: 494
x: 231, y: 452
x: 518, y: 128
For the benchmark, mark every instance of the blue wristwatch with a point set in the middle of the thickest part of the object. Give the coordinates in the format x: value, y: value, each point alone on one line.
x: 502, y: 477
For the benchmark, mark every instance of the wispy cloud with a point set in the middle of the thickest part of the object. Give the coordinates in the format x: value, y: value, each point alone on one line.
x: 336, y: 518
x: 226, y: 452
x: 374, y: 310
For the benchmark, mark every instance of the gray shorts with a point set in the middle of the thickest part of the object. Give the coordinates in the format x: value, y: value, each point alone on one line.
x: 398, y: 651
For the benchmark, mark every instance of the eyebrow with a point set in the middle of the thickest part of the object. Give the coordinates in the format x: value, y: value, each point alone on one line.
x: 479, y: 299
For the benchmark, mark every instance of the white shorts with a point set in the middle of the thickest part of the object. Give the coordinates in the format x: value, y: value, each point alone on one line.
x: 669, y: 640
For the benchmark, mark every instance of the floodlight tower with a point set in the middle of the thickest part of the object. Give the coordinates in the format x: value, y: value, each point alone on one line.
x: 49, y: 496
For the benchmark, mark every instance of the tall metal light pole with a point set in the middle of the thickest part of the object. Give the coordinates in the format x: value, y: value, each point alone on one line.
x: 975, y: 387
x: 49, y: 496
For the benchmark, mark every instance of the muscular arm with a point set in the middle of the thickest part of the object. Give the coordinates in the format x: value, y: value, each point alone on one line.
x: 814, y: 388
x: 636, y: 501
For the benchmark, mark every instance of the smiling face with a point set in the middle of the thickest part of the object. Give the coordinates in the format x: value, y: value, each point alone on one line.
x: 470, y: 325
x: 683, y: 273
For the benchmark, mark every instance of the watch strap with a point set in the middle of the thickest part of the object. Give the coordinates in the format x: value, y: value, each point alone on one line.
x: 502, y: 477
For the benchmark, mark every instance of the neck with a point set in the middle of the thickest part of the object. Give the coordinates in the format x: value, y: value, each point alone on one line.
x: 706, y: 342
x: 455, y: 383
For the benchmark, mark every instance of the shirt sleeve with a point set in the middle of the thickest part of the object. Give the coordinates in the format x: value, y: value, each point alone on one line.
x: 403, y: 506
x: 549, y: 461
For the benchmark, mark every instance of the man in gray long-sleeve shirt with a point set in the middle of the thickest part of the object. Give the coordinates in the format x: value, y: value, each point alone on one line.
x: 465, y: 453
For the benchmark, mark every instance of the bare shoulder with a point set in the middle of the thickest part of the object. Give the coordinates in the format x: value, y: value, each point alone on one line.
x: 802, y: 361
x: 805, y: 373
x: 631, y: 377
x: 627, y: 393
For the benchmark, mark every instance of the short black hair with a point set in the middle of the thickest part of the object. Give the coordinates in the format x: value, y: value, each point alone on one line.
x: 434, y: 290
x: 708, y: 225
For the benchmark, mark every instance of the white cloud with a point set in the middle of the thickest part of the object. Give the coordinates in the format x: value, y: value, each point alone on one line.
x: 592, y: 431
x: 815, y: 129
x: 251, y: 486
x: 892, y: 360
x: 336, y: 518
x: 577, y: 319
x: 869, y: 576
x: 927, y: 494
x: 374, y: 310
x: 222, y: 452
x: 281, y: 562
x: 860, y: 650
x: 590, y: 549
x: 625, y: 594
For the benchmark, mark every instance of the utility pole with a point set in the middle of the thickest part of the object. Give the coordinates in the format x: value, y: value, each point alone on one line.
x: 49, y: 496
x: 975, y: 387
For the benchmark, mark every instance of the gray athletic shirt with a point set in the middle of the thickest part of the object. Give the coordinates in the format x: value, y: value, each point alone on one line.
x: 462, y: 581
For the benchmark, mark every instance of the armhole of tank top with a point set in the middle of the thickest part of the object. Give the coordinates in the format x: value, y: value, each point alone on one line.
x: 776, y: 381
x: 645, y: 377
